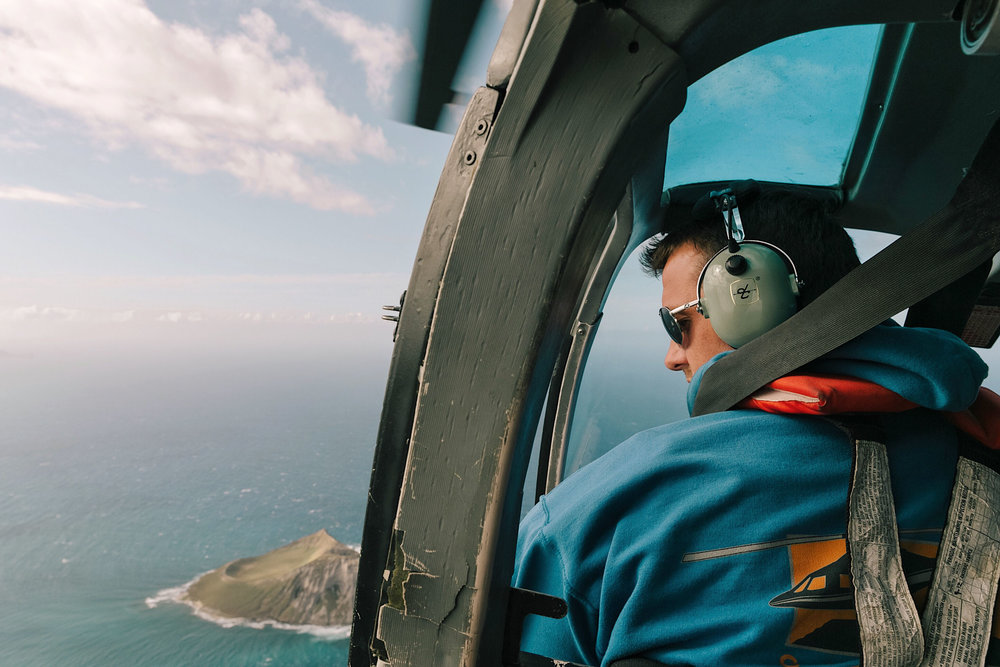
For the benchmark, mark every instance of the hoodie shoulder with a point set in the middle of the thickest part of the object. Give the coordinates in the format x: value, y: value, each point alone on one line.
x: 929, y: 367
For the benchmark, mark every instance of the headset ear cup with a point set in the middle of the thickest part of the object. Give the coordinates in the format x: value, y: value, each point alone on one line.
x: 750, y: 297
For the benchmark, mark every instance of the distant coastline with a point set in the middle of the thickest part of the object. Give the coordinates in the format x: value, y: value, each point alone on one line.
x: 177, y: 595
x: 289, y: 588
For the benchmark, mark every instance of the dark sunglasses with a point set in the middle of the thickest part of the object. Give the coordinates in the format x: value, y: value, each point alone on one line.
x: 670, y: 323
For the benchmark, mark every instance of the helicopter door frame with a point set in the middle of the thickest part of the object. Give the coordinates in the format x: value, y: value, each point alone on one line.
x: 549, y: 179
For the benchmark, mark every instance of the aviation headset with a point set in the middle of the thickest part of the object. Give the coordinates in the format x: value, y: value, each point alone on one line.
x: 745, y: 289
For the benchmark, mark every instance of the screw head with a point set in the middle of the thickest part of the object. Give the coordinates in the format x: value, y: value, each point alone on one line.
x: 470, y: 157
x: 482, y: 126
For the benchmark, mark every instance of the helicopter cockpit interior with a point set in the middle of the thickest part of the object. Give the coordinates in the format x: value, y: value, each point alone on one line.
x: 600, y: 124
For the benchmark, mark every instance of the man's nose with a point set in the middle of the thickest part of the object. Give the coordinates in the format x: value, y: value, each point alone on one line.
x: 676, y: 359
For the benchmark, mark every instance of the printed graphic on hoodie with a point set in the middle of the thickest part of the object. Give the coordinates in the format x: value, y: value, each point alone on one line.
x: 822, y: 594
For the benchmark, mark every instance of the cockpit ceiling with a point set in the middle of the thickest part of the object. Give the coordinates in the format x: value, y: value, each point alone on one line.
x: 708, y: 33
x: 927, y: 113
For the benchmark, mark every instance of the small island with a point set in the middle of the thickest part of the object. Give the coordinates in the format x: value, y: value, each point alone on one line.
x: 308, y: 582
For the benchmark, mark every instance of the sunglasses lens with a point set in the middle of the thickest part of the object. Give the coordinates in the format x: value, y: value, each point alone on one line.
x: 671, y: 325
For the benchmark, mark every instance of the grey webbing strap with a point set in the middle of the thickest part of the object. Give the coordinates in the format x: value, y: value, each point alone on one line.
x: 890, y: 625
x: 952, y: 242
x: 958, y: 619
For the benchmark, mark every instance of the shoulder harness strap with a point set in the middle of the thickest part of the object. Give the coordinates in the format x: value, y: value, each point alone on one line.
x: 958, y: 619
x: 890, y: 625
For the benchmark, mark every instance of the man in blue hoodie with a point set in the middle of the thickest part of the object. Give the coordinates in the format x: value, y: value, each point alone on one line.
x: 721, y: 540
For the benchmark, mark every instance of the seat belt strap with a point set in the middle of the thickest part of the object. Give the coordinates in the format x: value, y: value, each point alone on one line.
x: 950, y: 244
x: 958, y: 618
x: 891, y: 635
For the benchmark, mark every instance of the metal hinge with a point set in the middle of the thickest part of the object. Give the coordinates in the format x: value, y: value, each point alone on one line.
x: 396, y: 310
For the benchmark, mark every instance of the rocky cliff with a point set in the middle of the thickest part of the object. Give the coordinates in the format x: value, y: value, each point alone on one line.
x: 308, y: 582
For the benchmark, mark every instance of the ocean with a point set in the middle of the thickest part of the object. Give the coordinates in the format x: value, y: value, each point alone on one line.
x: 126, y: 474
x: 127, y: 471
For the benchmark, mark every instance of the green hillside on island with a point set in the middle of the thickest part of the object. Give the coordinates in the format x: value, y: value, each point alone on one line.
x: 308, y: 582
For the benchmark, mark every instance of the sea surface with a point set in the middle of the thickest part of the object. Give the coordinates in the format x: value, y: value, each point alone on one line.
x: 128, y: 471
x: 124, y: 475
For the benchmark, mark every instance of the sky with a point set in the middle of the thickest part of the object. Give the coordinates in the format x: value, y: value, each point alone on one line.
x: 787, y: 111
x: 182, y: 171
x: 171, y: 166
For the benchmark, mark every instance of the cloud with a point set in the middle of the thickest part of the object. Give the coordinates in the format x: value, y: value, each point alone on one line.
x: 277, y: 173
x: 51, y: 313
x: 237, y: 103
x: 380, y: 49
x: 200, y: 283
x: 76, y: 316
x: 126, y: 301
x: 751, y: 80
x: 177, y: 316
x: 781, y: 69
x: 203, y: 282
x: 14, y: 143
x: 29, y: 194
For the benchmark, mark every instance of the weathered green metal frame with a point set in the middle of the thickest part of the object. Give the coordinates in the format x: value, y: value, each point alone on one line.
x: 406, y: 367
x: 542, y: 192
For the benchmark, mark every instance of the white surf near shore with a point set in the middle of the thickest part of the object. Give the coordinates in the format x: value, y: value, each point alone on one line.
x: 177, y: 594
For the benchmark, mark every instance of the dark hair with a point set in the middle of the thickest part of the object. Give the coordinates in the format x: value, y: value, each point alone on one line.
x: 803, y: 226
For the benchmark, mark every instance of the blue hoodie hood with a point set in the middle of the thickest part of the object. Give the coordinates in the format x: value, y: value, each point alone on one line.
x: 929, y: 367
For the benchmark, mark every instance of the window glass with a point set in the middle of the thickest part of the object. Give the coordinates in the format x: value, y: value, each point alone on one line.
x: 816, y: 584
x: 787, y: 111
x: 625, y: 386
